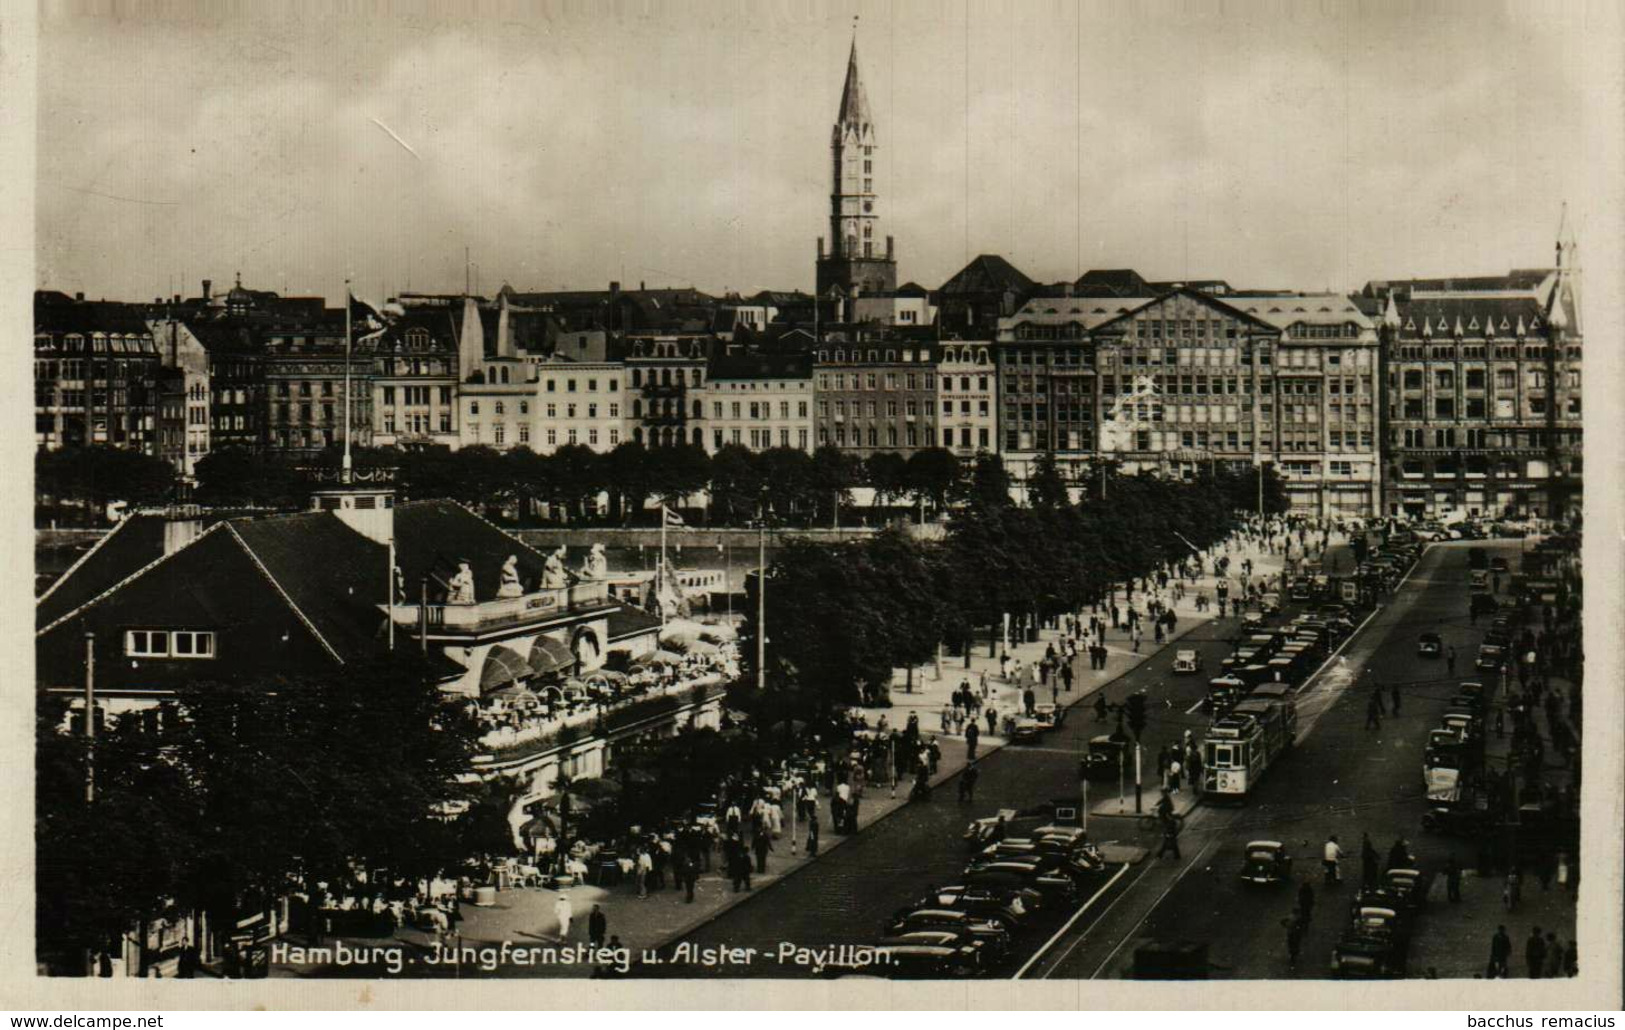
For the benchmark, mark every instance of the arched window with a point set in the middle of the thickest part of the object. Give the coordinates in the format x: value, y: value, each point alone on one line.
x: 637, y: 378
x: 637, y: 435
x: 699, y: 436
x: 637, y: 408
x: 699, y: 411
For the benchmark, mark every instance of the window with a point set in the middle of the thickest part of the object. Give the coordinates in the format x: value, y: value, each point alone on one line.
x: 473, y: 407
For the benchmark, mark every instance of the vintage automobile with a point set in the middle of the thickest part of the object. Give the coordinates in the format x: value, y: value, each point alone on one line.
x: 1053, y: 878
x: 994, y: 936
x: 985, y: 902
x: 969, y: 946
x: 1266, y: 861
x: 1105, y: 759
x: 1224, y: 692
x: 1009, y: 886
x: 1500, y: 565
x: 1482, y: 604
x: 1270, y: 604
x: 1374, y: 945
x: 1027, y: 729
x: 984, y: 831
x: 1406, y: 884
x: 1429, y: 645
x: 1187, y: 660
x: 1489, y: 657
x: 1252, y: 618
x: 1478, y: 579
x: 924, y: 961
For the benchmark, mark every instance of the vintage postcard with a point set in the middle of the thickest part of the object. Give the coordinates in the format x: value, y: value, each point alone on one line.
x: 896, y: 504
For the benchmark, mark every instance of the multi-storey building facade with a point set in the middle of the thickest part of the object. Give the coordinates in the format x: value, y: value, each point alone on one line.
x: 967, y: 388
x: 94, y: 374
x: 1175, y: 382
x: 759, y: 401
x: 665, y: 373
x: 414, y: 385
x: 305, y: 380
x: 1483, y: 380
x: 580, y: 403
x: 876, y: 394
x: 856, y: 262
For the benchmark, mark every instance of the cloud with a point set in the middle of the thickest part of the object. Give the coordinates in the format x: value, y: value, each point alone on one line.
x: 674, y: 144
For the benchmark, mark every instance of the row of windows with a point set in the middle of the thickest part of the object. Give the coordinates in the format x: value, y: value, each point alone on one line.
x: 1477, y: 407
x: 168, y: 643
x: 611, y: 385
x: 668, y: 377
x: 874, y: 381
x: 416, y: 422
x: 911, y: 409
x: 760, y: 439
x: 416, y: 395
x: 873, y: 437
x: 1474, y: 378
x: 762, y: 410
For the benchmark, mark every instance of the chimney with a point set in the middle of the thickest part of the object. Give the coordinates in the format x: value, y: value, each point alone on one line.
x: 207, y: 283
x: 820, y: 248
x: 641, y: 287
x: 888, y: 248
x: 180, y: 532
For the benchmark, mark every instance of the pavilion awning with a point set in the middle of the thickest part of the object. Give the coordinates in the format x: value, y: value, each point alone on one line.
x: 502, y: 667
x: 548, y: 655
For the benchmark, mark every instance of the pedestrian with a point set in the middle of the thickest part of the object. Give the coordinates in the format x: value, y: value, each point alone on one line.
x: 1028, y: 700
x: 562, y: 912
x: 1450, y: 660
x: 972, y: 735
x: 762, y: 844
x: 1571, y: 959
x: 1373, y: 710
x: 934, y: 755
x: 992, y: 722
x: 1170, y: 839
x: 1174, y: 769
x: 1394, y: 694
x: 1368, y: 861
x: 1452, y: 879
x: 1066, y: 677
x: 1500, y: 953
x: 1399, y: 856
x: 689, y: 875
x: 645, y: 866
x: 1100, y: 707
x: 1331, y: 855
x: 597, y: 924
x: 1306, y: 901
x: 1534, y: 954
x: 967, y: 783
x: 1294, y: 942
x: 1554, y: 958
x: 812, y: 836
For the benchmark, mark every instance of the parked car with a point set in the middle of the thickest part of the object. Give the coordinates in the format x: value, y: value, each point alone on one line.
x: 1187, y: 660
x: 983, y: 901
x: 1270, y: 604
x: 1428, y: 645
x: 1252, y: 618
x: 925, y: 961
x: 1375, y: 945
x: 1266, y: 861
x: 1105, y: 758
x: 1500, y: 565
x: 994, y: 936
x: 969, y: 945
x: 1490, y: 657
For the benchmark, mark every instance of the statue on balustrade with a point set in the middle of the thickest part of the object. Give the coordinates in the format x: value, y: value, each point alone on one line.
x: 556, y: 576
x: 461, y: 587
x: 596, y: 566
x: 510, y: 578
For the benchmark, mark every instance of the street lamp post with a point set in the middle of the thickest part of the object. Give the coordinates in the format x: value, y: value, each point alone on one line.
x: 90, y: 718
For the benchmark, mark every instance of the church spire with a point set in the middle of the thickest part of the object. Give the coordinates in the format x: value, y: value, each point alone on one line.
x: 854, y: 102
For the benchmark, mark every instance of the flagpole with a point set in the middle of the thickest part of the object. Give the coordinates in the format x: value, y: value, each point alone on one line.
x: 660, y: 567
x: 345, y: 476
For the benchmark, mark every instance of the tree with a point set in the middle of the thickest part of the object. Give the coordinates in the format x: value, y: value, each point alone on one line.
x: 989, y: 487
x: 934, y: 474
x: 736, y: 485
x: 93, y: 476
x: 887, y: 472
x: 833, y: 474
x: 679, y: 471
x: 1045, y: 486
x: 786, y: 474
x: 630, y: 474
x: 575, y: 475
x: 237, y: 475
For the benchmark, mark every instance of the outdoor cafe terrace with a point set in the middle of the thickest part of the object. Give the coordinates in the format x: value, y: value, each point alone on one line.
x: 530, y: 713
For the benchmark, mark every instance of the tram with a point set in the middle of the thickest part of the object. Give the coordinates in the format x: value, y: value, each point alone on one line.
x: 1241, y: 745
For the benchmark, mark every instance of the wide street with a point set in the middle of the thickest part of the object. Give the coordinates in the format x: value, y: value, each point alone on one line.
x: 1342, y: 778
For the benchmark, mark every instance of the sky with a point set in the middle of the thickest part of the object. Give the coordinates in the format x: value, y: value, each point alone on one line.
x: 1305, y: 146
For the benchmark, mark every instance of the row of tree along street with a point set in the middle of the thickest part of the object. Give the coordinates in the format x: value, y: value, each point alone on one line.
x: 841, y: 617
x: 242, y: 792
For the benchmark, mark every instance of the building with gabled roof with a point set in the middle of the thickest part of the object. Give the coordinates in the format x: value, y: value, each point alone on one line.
x: 978, y: 295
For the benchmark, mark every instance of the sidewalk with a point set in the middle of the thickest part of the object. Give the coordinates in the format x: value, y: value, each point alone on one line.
x: 525, y: 915
x: 1454, y: 939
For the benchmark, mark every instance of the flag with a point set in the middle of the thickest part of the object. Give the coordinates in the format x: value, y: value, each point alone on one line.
x: 361, y: 312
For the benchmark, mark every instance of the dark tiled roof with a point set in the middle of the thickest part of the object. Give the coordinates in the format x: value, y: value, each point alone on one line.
x: 90, y: 316
x: 1517, y: 279
x: 987, y: 273
x: 431, y: 537
x: 333, y: 575
x: 133, y: 544
x: 1112, y: 282
x: 760, y: 366
x: 630, y: 622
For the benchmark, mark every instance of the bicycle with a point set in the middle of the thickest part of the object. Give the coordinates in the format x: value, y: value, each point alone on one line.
x: 1151, y: 822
